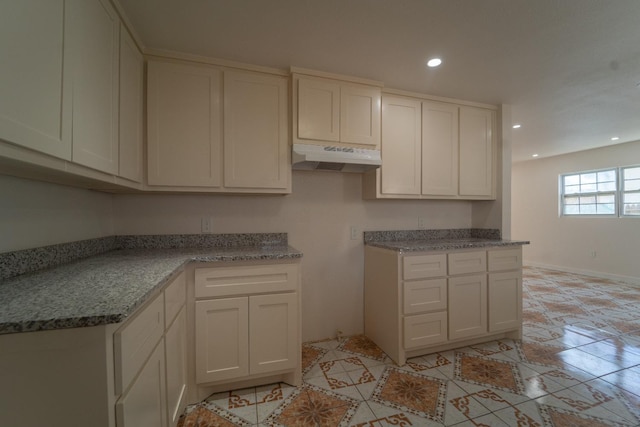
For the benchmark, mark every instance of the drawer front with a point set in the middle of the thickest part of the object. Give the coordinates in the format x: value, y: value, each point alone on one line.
x: 425, y: 329
x: 424, y: 295
x: 424, y: 266
x: 134, y: 342
x: 505, y: 259
x: 224, y: 281
x: 467, y: 262
x: 174, y: 298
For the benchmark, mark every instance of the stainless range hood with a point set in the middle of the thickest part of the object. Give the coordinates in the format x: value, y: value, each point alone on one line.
x: 330, y: 158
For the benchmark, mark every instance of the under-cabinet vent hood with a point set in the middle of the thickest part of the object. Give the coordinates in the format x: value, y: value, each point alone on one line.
x: 330, y: 158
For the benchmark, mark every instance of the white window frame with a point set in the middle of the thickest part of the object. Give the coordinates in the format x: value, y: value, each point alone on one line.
x: 619, y: 193
x: 586, y: 194
x: 623, y: 192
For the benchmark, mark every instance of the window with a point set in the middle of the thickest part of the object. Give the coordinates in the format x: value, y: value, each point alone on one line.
x: 589, y: 193
x: 631, y: 191
x: 607, y: 192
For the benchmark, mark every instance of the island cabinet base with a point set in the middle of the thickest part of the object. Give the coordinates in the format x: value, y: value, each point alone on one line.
x: 418, y: 303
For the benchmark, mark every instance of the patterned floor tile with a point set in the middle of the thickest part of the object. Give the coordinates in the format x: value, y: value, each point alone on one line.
x: 414, y: 393
x: 503, y: 375
x: 575, y: 329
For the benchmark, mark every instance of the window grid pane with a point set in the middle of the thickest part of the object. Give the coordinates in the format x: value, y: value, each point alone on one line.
x: 589, y: 193
x: 630, y: 191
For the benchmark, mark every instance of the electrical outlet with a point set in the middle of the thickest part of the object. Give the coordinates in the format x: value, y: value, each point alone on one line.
x: 593, y: 254
x: 354, y: 232
x: 422, y: 222
x: 206, y: 224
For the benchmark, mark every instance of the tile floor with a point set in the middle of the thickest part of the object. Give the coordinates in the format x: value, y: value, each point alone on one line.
x: 578, y: 365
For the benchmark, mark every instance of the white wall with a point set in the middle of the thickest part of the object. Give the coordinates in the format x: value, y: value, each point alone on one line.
x: 568, y: 242
x: 317, y: 217
x: 34, y: 214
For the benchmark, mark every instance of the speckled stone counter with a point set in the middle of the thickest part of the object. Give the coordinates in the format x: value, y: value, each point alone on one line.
x: 108, y: 287
x: 437, y: 240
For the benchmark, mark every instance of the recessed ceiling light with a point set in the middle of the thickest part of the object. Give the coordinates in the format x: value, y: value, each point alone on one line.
x: 534, y: 155
x: 517, y: 126
x: 434, y: 62
x: 615, y: 138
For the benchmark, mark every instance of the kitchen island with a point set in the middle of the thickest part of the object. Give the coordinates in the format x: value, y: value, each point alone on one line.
x: 113, y: 339
x: 433, y: 290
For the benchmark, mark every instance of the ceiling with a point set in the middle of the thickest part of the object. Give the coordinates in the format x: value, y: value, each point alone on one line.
x: 569, y: 69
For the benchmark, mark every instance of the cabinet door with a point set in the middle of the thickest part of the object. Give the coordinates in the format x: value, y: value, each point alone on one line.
x: 184, y: 125
x: 467, y: 306
x: 360, y: 114
x: 476, y: 152
x: 34, y: 91
x: 424, y: 329
x: 94, y: 43
x: 176, y: 360
x: 439, y: 149
x: 256, y: 141
x: 144, y: 404
x: 131, y: 108
x: 318, y: 109
x: 274, y: 332
x: 505, y: 301
x: 222, y: 339
x: 400, y: 172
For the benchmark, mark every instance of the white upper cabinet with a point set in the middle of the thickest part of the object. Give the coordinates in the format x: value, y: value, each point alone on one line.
x: 94, y: 44
x: 401, y: 148
x: 131, y: 108
x: 215, y: 129
x: 434, y: 150
x: 477, y: 150
x: 360, y: 115
x: 34, y: 93
x: 439, y: 149
x: 318, y: 110
x: 256, y: 135
x: 334, y: 111
x: 184, y: 130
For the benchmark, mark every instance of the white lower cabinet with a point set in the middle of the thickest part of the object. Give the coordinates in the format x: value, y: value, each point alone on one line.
x: 175, y: 343
x: 467, y: 306
x: 151, y: 361
x: 247, y: 323
x: 143, y: 405
x: 441, y: 300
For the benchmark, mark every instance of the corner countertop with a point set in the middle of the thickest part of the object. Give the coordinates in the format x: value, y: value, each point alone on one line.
x: 444, y: 244
x: 108, y: 287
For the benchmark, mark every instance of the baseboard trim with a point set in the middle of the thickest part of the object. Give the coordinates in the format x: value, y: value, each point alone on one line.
x: 630, y: 280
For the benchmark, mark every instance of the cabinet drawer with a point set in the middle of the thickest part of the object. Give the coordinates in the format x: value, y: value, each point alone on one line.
x: 424, y: 295
x: 174, y: 298
x: 424, y: 266
x: 425, y: 329
x: 223, y: 281
x: 505, y: 259
x: 134, y: 342
x: 467, y: 262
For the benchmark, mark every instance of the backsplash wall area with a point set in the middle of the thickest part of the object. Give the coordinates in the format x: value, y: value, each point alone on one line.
x: 317, y: 217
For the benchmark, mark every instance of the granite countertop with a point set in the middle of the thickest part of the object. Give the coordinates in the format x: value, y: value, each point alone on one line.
x: 108, y: 287
x: 438, y: 240
x: 444, y: 244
